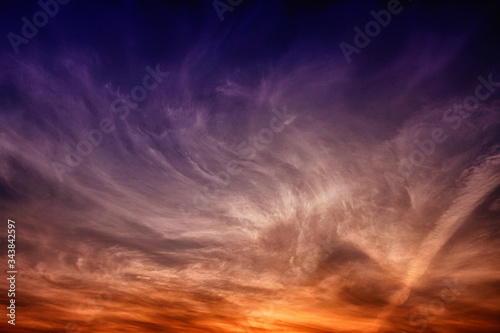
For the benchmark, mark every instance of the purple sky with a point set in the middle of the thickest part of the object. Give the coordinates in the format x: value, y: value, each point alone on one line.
x: 172, y: 172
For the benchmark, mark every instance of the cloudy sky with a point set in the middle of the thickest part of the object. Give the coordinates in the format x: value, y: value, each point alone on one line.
x: 251, y: 166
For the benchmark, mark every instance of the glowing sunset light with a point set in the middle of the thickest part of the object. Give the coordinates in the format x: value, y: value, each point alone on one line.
x: 240, y: 166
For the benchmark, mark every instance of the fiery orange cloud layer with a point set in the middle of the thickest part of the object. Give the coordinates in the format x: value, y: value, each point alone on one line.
x: 264, y: 184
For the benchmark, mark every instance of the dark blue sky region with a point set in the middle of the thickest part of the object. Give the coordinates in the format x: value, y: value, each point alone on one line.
x: 282, y: 169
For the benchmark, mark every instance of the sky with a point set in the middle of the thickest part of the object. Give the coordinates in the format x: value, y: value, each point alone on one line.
x: 251, y: 166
